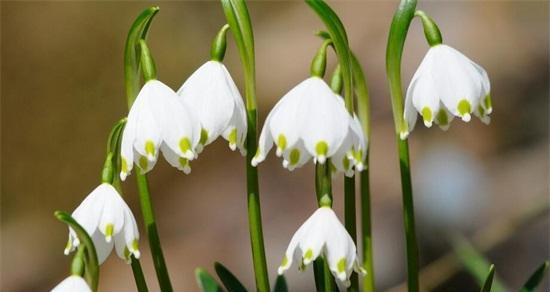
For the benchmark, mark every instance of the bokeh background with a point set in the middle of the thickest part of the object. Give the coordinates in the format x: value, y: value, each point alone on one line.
x: 62, y: 89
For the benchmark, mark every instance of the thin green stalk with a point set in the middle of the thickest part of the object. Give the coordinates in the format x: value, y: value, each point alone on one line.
x: 349, y: 221
x: 141, y: 285
x: 396, y: 40
x: 152, y: 232
x: 363, y: 111
x: 239, y: 22
x: 132, y: 64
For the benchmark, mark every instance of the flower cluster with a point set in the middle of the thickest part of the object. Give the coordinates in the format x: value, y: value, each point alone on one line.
x: 312, y: 121
x: 445, y: 85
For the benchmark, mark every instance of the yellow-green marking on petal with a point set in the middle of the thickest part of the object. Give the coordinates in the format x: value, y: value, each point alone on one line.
x: 204, y: 136
x: 487, y: 102
x: 309, y: 254
x: 281, y: 142
x: 284, y: 262
x: 294, y: 156
x: 341, y: 265
x: 135, y: 245
x: 464, y: 107
x: 427, y: 116
x: 442, y: 118
x: 150, y: 147
x: 232, y: 137
x: 109, y: 228
x: 123, y: 165
x: 185, y: 145
x: 321, y: 148
x: 345, y: 163
x: 183, y: 162
x: 143, y: 162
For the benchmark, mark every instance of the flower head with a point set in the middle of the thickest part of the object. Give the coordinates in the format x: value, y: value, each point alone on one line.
x: 158, y: 121
x: 445, y: 85
x: 72, y: 284
x: 322, y: 233
x: 215, y: 99
x: 309, y: 121
x: 105, y: 216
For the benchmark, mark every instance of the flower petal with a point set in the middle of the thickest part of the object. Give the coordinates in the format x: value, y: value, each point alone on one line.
x: 72, y: 284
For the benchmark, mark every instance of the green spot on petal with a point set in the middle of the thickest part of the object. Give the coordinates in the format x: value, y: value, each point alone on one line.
x: 183, y: 162
x: 464, y: 107
x: 109, y: 230
x: 143, y: 162
x: 481, y: 110
x: 185, y: 145
x: 123, y: 165
x: 309, y: 254
x: 345, y: 162
x: 341, y: 265
x: 150, y: 147
x: 321, y: 148
x: 281, y: 142
x: 126, y: 253
x: 487, y: 102
x: 427, y: 114
x: 284, y: 262
x: 294, y: 156
x: 233, y: 137
x: 204, y: 136
x: 135, y: 244
x: 442, y: 117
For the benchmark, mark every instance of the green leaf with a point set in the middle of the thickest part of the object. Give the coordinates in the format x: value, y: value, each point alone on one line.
x: 474, y: 262
x: 280, y: 284
x: 206, y: 282
x: 231, y: 283
x: 339, y: 38
x: 488, y: 280
x: 91, y: 261
x: 536, y: 278
x: 138, y: 31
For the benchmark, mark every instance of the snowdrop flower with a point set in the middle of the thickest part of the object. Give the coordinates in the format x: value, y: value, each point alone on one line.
x: 322, y: 233
x: 447, y: 84
x: 212, y: 95
x: 72, y: 283
x: 309, y: 121
x: 109, y: 222
x: 157, y: 121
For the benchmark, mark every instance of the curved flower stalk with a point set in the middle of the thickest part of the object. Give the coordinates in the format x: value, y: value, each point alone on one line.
x: 72, y: 283
x: 447, y: 84
x: 158, y: 121
x: 109, y: 222
x: 211, y: 94
x: 323, y: 234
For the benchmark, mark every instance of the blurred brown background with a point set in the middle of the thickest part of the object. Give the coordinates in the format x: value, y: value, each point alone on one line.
x: 62, y: 89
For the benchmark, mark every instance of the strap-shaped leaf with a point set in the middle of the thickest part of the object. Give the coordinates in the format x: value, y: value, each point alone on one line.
x: 339, y: 37
x: 488, y: 280
x: 206, y: 282
x: 138, y: 31
x: 91, y: 261
x: 536, y: 278
x: 231, y: 283
x: 280, y: 284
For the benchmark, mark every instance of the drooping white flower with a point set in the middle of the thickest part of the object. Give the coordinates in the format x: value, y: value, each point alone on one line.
x: 212, y: 95
x: 447, y: 84
x: 309, y: 121
x: 158, y: 121
x: 105, y: 216
x: 72, y: 284
x: 323, y: 234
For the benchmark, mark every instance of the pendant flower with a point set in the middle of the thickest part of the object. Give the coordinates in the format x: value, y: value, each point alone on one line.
x: 72, y: 283
x: 309, y: 121
x: 157, y: 120
x: 105, y: 216
x: 213, y: 97
x: 447, y: 84
x: 322, y: 233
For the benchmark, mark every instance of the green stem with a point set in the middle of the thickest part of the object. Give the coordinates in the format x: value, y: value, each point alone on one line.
x: 141, y: 285
x: 239, y: 22
x: 396, y: 41
x: 349, y: 221
x: 363, y: 111
x: 152, y: 232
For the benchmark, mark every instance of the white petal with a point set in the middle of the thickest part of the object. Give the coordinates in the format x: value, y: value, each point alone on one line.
x: 265, y: 142
x: 424, y: 95
x: 443, y: 118
x: 126, y: 149
x: 327, y: 120
x: 339, y: 247
x: 208, y: 94
x: 175, y: 160
x: 72, y: 284
x: 147, y: 128
x: 313, y: 240
x: 296, y: 156
x: 112, y: 217
x: 89, y: 212
x: 102, y: 247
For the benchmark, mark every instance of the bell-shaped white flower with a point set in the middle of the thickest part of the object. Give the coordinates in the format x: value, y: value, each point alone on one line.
x: 323, y: 234
x: 72, y: 283
x: 212, y: 95
x: 447, y: 84
x: 309, y: 121
x: 158, y: 121
x: 109, y: 222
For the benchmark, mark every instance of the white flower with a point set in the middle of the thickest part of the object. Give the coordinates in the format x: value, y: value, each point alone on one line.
x: 322, y: 233
x: 215, y: 99
x: 105, y: 216
x: 157, y: 120
x: 353, y: 151
x: 72, y: 284
x: 309, y: 121
x: 447, y: 84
